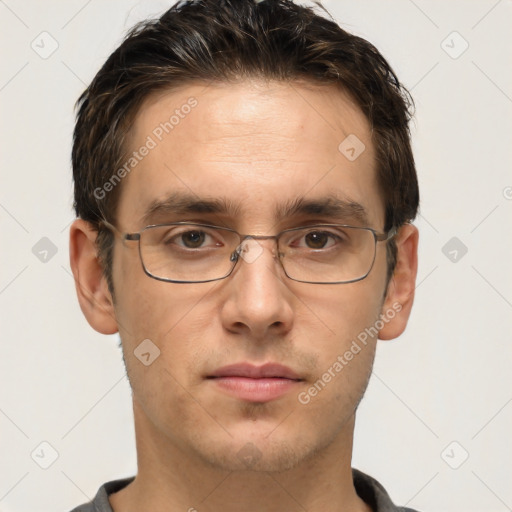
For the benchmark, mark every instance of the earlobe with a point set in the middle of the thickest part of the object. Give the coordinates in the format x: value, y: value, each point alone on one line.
x: 91, y: 286
x: 400, y: 293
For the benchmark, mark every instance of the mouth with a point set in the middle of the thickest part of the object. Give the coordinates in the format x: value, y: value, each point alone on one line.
x: 255, y: 383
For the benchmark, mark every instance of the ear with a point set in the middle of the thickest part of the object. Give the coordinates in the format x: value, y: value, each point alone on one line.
x: 400, y: 293
x: 91, y: 285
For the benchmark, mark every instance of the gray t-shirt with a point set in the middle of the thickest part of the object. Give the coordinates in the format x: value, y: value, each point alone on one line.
x: 367, y: 488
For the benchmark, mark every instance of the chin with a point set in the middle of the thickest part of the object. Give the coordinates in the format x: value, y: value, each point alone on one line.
x: 259, y: 453
x: 251, y: 458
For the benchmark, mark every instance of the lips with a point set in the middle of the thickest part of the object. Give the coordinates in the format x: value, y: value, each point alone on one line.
x: 269, y: 370
x: 255, y: 383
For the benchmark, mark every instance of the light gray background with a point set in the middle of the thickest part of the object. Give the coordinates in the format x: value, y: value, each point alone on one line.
x: 446, y: 379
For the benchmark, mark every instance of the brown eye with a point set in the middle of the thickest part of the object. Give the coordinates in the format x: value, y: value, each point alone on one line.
x: 193, y: 239
x: 317, y: 239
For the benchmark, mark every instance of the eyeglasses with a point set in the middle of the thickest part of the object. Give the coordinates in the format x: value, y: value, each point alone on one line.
x: 184, y: 252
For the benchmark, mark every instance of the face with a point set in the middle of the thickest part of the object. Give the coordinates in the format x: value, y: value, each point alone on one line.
x: 258, y: 147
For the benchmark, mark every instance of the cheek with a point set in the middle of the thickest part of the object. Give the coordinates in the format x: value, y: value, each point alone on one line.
x: 341, y: 312
x: 165, y: 320
x: 145, y: 307
x: 164, y: 343
x: 343, y: 321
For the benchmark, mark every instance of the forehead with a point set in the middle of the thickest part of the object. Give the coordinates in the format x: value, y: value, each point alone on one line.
x: 256, y: 146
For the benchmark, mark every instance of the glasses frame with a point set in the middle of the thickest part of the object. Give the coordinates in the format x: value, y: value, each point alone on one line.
x: 235, y: 256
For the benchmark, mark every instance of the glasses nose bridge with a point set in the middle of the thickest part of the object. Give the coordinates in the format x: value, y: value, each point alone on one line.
x: 259, y: 237
x: 243, y: 238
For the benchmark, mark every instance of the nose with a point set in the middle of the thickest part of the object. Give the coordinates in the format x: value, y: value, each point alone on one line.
x: 258, y: 299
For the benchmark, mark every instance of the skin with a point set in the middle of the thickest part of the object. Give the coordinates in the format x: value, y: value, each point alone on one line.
x: 260, y: 145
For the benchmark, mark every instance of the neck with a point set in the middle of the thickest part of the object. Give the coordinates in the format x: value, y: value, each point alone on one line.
x: 171, y: 477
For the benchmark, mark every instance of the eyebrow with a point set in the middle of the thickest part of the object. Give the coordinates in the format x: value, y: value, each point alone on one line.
x: 328, y: 206
x: 179, y: 203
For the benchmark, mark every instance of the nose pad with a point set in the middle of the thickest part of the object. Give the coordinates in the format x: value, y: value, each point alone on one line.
x: 249, y: 250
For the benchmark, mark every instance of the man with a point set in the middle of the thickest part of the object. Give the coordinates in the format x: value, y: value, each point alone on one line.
x: 245, y: 184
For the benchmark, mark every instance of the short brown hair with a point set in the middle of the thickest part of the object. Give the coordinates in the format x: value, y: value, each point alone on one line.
x: 223, y: 41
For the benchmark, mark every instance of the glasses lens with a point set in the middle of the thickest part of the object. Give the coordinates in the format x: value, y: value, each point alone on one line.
x: 327, y: 254
x: 187, y: 252
x: 315, y: 254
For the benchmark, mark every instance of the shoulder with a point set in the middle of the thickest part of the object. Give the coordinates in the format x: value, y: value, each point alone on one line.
x: 100, y: 502
x: 373, y: 493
